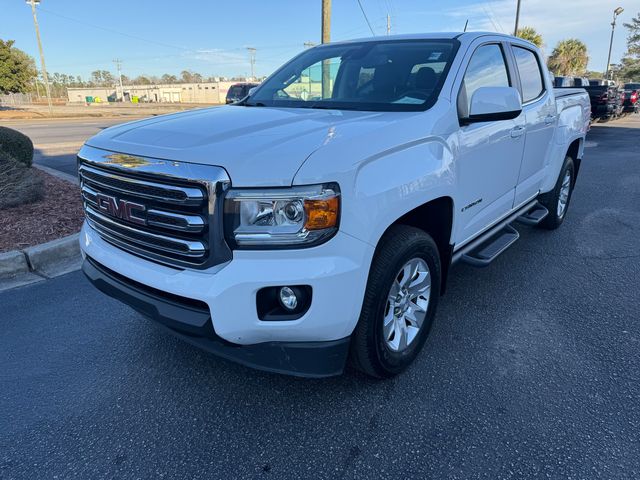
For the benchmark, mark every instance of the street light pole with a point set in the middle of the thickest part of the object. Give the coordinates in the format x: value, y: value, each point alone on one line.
x: 33, y: 4
x: 515, y: 30
x: 616, y: 12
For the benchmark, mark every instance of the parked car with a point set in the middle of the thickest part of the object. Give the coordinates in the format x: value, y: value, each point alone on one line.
x: 570, y: 82
x: 292, y: 231
x: 581, y: 82
x: 631, y: 97
x: 563, y: 82
x: 238, y: 91
x: 599, y: 82
x: 606, y: 102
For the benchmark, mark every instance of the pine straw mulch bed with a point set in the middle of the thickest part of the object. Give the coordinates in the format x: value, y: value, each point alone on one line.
x: 57, y: 215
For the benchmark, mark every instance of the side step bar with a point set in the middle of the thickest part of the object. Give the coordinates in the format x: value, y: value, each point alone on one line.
x: 534, y: 216
x: 489, y: 250
x: 489, y: 245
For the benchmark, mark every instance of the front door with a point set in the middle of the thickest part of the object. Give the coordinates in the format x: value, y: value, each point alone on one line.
x: 490, y: 153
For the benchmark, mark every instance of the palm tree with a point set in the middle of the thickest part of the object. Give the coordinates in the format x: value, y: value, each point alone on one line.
x: 530, y: 34
x: 569, y: 58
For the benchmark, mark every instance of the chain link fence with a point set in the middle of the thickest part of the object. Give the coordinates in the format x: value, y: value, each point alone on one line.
x: 11, y: 99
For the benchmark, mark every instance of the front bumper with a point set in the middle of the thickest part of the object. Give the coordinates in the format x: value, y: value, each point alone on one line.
x: 190, y: 320
x: 336, y: 271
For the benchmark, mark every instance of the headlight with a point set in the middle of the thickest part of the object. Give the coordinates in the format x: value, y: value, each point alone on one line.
x: 281, y: 217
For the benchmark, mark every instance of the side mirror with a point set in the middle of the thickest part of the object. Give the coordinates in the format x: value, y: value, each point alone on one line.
x: 490, y: 104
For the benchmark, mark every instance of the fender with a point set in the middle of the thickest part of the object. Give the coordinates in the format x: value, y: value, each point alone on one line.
x: 572, y: 127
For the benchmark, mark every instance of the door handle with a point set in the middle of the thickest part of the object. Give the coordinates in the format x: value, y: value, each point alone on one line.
x: 549, y: 119
x: 517, y: 132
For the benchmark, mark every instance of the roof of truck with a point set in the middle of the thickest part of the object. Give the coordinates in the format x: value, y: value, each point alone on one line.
x: 426, y: 36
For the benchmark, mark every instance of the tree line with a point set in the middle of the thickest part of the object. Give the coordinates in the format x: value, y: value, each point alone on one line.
x: 18, y: 73
x: 59, y: 82
x: 570, y: 57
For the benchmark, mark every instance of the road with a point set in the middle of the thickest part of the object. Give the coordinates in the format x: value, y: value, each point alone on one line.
x: 54, y: 132
x: 531, y: 371
x: 57, y: 141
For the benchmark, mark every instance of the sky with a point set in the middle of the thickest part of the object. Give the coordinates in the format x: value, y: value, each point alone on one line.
x: 159, y: 36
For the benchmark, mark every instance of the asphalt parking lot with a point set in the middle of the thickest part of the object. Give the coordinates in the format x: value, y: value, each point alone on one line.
x: 531, y: 371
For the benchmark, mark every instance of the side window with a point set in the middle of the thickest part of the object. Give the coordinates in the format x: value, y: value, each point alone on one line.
x: 530, y: 74
x: 486, y: 68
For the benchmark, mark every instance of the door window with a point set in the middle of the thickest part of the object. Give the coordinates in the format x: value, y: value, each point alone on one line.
x: 530, y: 74
x: 487, y: 68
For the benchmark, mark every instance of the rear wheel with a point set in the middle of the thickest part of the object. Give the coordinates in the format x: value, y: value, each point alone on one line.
x: 557, y: 200
x: 399, y: 304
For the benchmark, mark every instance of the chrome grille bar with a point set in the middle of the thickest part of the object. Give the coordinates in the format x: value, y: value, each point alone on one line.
x: 159, y: 218
x: 141, y: 188
x: 152, y: 240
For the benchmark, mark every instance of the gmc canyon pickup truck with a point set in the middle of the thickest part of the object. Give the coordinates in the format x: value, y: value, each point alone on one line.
x: 315, y: 221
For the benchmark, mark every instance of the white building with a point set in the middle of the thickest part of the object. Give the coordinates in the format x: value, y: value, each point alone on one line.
x: 206, y: 92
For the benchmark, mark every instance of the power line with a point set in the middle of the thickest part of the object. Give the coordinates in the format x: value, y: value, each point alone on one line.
x: 99, y: 27
x: 366, y: 18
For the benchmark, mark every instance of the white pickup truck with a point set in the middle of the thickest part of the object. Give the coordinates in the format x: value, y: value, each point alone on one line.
x: 315, y: 221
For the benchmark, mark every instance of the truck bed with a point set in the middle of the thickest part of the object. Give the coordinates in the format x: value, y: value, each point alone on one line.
x: 566, y: 91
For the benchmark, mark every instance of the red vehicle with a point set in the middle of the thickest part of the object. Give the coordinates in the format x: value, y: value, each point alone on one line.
x: 631, y: 98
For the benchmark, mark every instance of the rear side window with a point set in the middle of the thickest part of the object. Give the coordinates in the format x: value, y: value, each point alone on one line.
x: 530, y: 74
x: 486, y: 68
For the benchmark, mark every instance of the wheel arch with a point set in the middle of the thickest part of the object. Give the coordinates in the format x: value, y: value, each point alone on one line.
x: 434, y: 217
x: 575, y: 151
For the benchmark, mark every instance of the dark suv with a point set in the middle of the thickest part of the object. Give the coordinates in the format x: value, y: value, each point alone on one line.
x: 238, y: 91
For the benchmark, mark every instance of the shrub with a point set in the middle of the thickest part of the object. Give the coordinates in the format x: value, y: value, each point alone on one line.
x: 17, y: 145
x: 18, y: 183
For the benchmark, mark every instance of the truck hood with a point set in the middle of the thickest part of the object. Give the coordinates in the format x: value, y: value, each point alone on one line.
x: 258, y: 146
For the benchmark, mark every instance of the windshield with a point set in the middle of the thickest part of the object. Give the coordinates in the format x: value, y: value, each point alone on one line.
x: 236, y: 91
x: 380, y: 75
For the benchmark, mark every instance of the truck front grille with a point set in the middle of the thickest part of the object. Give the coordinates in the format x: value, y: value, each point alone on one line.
x: 160, y: 210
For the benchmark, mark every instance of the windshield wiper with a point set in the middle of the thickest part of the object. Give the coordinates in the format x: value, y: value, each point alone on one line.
x: 254, y: 104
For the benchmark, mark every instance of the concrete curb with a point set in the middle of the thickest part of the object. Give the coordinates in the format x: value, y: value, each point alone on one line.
x: 57, y: 174
x: 56, y: 257
x: 13, y: 263
x: 34, y: 264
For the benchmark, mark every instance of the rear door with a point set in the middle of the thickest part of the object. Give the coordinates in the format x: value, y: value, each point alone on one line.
x: 489, y: 153
x: 539, y: 109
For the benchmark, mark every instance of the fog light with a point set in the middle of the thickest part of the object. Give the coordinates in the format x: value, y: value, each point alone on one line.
x: 288, y: 298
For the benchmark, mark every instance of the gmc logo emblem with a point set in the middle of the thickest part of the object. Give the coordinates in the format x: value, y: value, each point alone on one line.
x: 122, y: 209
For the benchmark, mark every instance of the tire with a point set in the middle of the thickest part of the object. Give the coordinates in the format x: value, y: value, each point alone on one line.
x: 551, y: 200
x: 371, y: 351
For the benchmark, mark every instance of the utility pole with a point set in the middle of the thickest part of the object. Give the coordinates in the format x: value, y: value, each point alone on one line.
x: 118, y: 63
x: 252, y: 61
x: 616, y: 12
x: 33, y: 4
x: 326, y: 38
x: 388, y: 24
x: 515, y: 30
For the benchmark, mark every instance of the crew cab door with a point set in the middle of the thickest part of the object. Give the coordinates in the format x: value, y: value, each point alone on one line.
x: 539, y: 109
x: 490, y: 153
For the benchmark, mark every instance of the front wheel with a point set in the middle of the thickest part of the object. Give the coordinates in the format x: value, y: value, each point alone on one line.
x: 400, y: 302
x: 557, y: 200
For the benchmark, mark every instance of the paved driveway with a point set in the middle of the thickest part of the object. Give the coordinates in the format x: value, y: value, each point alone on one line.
x: 531, y: 371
